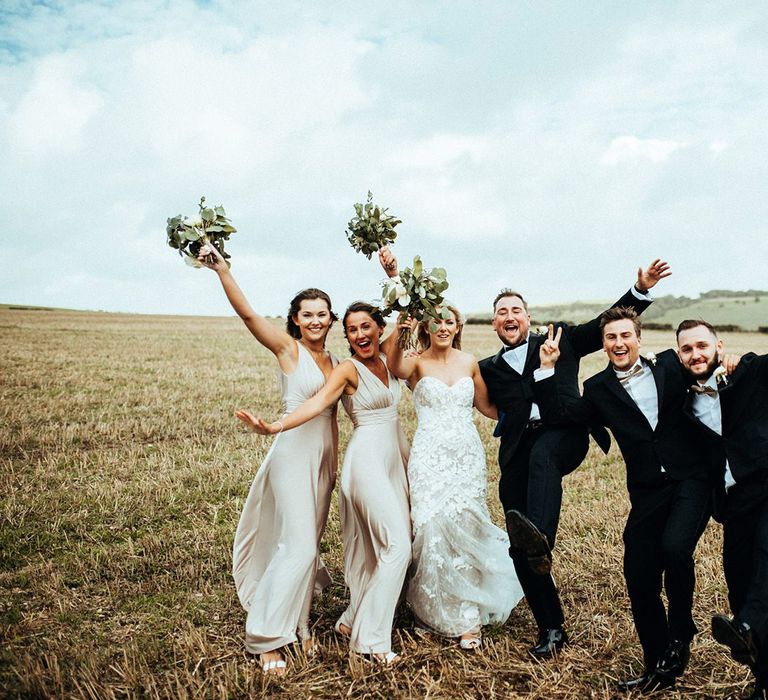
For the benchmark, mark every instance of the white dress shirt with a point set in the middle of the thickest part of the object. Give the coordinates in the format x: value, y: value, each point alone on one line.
x: 515, y: 358
x: 707, y: 409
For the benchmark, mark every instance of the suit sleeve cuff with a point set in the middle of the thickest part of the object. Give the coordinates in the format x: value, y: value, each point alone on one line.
x: 539, y: 374
x: 642, y: 296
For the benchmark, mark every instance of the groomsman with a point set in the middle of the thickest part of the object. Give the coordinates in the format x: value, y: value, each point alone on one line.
x: 537, y: 451
x: 734, y: 412
x: 668, y: 478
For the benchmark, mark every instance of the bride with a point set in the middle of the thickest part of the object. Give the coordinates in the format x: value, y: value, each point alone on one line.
x: 461, y: 573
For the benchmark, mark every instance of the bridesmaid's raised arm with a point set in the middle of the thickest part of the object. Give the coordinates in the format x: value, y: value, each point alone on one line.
x: 276, y: 340
x: 343, y: 379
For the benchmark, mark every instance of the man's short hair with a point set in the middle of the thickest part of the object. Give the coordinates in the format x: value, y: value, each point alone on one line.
x: 509, y: 293
x: 694, y: 323
x: 619, y: 313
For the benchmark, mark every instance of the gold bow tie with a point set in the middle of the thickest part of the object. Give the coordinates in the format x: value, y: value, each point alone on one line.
x: 624, y: 377
x: 703, y: 389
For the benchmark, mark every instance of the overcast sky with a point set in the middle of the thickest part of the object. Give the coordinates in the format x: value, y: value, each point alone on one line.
x: 548, y: 146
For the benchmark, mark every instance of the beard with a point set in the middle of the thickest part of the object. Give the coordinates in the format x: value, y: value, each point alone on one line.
x: 711, y: 365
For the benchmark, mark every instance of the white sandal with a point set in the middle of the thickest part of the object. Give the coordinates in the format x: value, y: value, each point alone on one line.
x: 273, y: 666
x: 474, y: 641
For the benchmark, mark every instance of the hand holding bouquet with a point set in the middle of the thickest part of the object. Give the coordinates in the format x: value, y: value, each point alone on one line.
x: 371, y: 229
x: 190, y: 234
x: 417, y: 293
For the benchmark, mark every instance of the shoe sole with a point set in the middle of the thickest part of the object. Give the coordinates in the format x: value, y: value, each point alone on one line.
x: 525, y: 536
x: 725, y: 633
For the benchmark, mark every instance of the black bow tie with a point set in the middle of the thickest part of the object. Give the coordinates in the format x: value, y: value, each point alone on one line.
x: 507, y: 348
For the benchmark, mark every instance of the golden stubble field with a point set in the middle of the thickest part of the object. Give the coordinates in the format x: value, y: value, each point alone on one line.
x: 122, y: 477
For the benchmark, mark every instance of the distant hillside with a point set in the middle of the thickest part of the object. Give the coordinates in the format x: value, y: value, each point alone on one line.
x: 748, y: 310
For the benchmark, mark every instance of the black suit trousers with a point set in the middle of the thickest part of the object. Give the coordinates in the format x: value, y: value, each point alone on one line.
x: 662, y: 530
x: 531, y: 482
x: 745, y: 562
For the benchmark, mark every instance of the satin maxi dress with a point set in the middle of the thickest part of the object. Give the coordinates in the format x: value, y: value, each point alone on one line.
x: 275, y: 560
x: 375, y: 512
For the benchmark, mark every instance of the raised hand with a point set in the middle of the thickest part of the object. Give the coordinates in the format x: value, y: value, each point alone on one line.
x: 549, y: 351
x: 207, y: 251
x: 258, y: 425
x: 388, y: 261
x: 648, y: 278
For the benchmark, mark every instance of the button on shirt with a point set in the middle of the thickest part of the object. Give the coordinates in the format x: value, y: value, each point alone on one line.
x: 707, y: 409
x: 515, y: 358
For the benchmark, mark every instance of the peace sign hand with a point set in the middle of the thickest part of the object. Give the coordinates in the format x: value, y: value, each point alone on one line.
x: 549, y: 352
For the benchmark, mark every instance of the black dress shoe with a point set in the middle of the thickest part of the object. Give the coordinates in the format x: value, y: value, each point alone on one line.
x: 674, y: 660
x: 649, y: 682
x: 549, y: 642
x: 526, y: 537
x: 738, y: 636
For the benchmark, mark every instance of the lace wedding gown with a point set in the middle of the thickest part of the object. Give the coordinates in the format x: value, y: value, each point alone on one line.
x: 461, y: 575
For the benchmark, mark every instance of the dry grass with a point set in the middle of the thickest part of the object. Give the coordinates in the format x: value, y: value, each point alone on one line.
x: 123, y: 474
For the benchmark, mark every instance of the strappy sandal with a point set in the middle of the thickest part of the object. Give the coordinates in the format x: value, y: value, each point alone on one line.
x: 471, y: 640
x: 275, y: 667
x: 381, y: 658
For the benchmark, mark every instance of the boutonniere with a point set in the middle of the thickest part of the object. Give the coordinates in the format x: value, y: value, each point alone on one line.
x: 651, y: 357
x: 720, y: 376
x: 542, y: 330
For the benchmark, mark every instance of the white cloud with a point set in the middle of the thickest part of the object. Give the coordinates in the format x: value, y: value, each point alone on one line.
x: 113, y: 117
x: 630, y: 148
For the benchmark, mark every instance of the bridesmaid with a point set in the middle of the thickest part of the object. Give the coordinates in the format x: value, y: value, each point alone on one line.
x: 275, y: 559
x: 376, y: 524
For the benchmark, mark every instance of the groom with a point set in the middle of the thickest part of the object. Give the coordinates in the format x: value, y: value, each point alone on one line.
x: 537, y: 450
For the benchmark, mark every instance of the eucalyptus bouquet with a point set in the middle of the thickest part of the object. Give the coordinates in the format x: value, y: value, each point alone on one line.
x: 188, y: 234
x: 417, y: 293
x: 371, y: 228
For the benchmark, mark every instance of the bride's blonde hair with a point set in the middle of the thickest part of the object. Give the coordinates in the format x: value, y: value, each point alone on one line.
x: 423, y: 332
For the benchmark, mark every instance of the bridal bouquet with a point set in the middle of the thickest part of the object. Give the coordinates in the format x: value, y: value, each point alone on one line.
x: 417, y: 293
x: 188, y: 234
x: 371, y: 228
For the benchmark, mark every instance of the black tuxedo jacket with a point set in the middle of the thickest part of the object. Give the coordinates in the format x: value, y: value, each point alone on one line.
x: 744, y: 441
x: 513, y: 393
x: 676, y: 442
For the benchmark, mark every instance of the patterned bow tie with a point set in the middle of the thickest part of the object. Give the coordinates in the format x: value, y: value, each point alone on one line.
x: 699, y: 389
x: 624, y: 377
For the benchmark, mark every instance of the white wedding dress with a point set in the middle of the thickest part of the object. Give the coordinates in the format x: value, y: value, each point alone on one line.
x: 461, y: 575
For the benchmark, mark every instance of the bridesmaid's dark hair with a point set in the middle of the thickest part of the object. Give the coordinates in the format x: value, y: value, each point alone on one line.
x: 373, y: 311
x: 423, y: 329
x: 306, y: 294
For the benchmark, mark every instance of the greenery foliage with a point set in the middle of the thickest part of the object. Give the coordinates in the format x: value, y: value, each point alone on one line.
x: 417, y: 293
x: 371, y: 228
x: 188, y: 234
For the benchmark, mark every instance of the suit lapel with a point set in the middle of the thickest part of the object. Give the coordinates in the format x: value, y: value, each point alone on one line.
x: 613, y: 385
x: 688, y: 410
x: 501, y: 364
x: 532, y: 355
x: 658, y: 377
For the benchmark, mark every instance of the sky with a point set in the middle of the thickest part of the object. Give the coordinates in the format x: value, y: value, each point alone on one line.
x: 551, y: 147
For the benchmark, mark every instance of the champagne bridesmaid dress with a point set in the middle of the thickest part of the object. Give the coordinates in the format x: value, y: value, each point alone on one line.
x: 375, y: 517
x: 275, y: 560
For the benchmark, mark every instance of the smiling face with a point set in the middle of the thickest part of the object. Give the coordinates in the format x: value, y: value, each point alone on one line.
x: 621, y: 343
x: 363, y: 334
x: 447, y: 328
x: 699, y: 350
x: 511, y: 321
x: 313, y: 319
